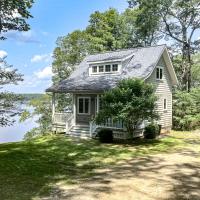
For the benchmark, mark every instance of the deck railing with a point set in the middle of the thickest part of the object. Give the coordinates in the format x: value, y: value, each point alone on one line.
x: 61, y: 118
x: 109, y: 123
x: 65, y: 120
x: 118, y: 127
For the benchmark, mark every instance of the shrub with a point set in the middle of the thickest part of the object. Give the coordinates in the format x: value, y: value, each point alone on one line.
x: 186, y: 110
x: 152, y: 131
x: 131, y: 101
x: 105, y: 136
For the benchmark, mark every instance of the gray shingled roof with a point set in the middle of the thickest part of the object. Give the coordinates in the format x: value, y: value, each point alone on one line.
x: 140, y: 63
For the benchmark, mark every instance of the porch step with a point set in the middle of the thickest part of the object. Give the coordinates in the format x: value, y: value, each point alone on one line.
x: 82, y: 131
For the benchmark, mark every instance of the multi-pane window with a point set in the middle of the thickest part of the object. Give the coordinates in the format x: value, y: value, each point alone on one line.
x: 115, y: 67
x: 101, y: 68
x: 83, y: 105
x: 94, y: 69
x: 159, y: 73
x: 108, y: 68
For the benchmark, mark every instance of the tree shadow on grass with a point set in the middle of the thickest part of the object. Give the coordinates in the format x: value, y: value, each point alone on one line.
x: 31, y: 169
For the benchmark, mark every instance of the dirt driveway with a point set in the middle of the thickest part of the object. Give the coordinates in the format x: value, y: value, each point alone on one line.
x: 163, y: 176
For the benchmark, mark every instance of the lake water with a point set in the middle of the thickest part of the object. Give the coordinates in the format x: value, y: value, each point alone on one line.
x: 16, y: 132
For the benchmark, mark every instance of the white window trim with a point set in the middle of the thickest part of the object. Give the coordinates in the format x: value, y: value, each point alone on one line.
x: 160, y: 68
x: 89, y: 106
x: 104, y: 68
x: 164, y: 101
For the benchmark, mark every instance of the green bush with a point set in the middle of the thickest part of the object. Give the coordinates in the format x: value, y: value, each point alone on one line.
x: 186, y: 110
x: 152, y: 131
x: 105, y: 136
x: 131, y: 101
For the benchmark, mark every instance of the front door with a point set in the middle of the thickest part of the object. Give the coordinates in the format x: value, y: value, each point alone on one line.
x: 85, y: 109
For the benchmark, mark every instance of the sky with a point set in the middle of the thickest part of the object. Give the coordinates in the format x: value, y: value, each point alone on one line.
x: 31, y: 52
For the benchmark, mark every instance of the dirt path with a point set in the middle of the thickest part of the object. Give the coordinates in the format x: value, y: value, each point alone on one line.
x: 159, y: 177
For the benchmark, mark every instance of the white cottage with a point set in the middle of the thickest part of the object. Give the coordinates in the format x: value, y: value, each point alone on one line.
x: 100, y: 72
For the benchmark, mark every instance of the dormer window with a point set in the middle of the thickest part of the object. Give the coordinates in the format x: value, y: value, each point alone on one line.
x: 94, y: 69
x: 108, y: 68
x: 115, y: 67
x: 159, y: 73
x: 101, y: 68
x: 104, y: 69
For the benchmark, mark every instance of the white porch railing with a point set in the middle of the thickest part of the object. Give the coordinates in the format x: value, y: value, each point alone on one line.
x: 61, y: 118
x: 110, y: 124
x: 119, y: 129
x: 65, y: 120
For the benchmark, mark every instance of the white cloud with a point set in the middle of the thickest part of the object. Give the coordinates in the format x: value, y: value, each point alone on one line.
x: 3, y: 54
x: 44, y: 73
x: 39, y: 58
x: 23, y: 37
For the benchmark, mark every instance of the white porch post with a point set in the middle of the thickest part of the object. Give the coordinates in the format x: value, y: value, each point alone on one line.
x: 53, y: 106
x: 74, y: 108
x: 97, y: 103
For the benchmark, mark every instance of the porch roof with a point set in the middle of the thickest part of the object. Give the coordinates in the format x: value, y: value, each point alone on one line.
x: 136, y: 63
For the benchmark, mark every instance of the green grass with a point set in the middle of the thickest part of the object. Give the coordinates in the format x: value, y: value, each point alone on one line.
x: 30, y: 169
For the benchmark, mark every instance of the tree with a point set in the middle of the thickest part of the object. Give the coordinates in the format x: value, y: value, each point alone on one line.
x: 132, y: 101
x: 195, y: 69
x: 42, y: 108
x: 9, y: 102
x: 179, y: 20
x: 145, y: 24
x: 130, y: 35
x: 70, y: 51
x: 105, y: 31
x: 13, y: 15
x: 186, y: 119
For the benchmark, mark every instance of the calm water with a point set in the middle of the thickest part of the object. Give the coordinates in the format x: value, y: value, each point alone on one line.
x: 16, y: 132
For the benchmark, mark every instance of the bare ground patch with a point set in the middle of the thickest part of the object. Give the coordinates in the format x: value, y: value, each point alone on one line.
x: 173, y: 176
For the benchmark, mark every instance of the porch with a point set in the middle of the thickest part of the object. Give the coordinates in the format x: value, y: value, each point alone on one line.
x: 80, y: 121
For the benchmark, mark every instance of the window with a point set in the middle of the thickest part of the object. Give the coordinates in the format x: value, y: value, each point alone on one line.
x: 83, y: 105
x: 108, y: 68
x: 101, y: 68
x: 165, y: 104
x: 94, y: 69
x: 115, y: 67
x: 159, y: 73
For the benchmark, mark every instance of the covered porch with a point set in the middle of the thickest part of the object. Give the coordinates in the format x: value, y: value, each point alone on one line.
x: 80, y: 120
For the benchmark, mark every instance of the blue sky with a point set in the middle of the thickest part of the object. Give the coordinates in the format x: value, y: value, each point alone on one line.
x: 30, y: 52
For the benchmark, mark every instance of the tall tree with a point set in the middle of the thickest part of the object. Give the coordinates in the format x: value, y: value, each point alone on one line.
x: 9, y: 102
x: 70, y: 51
x: 179, y: 20
x: 13, y: 15
x: 105, y: 31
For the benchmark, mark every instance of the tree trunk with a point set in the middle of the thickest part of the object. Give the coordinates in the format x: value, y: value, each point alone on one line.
x: 186, y: 67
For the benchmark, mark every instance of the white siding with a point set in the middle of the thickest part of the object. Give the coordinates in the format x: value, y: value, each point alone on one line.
x: 163, y: 91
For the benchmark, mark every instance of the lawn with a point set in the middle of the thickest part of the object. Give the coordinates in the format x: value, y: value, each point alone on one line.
x: 31, y: 170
